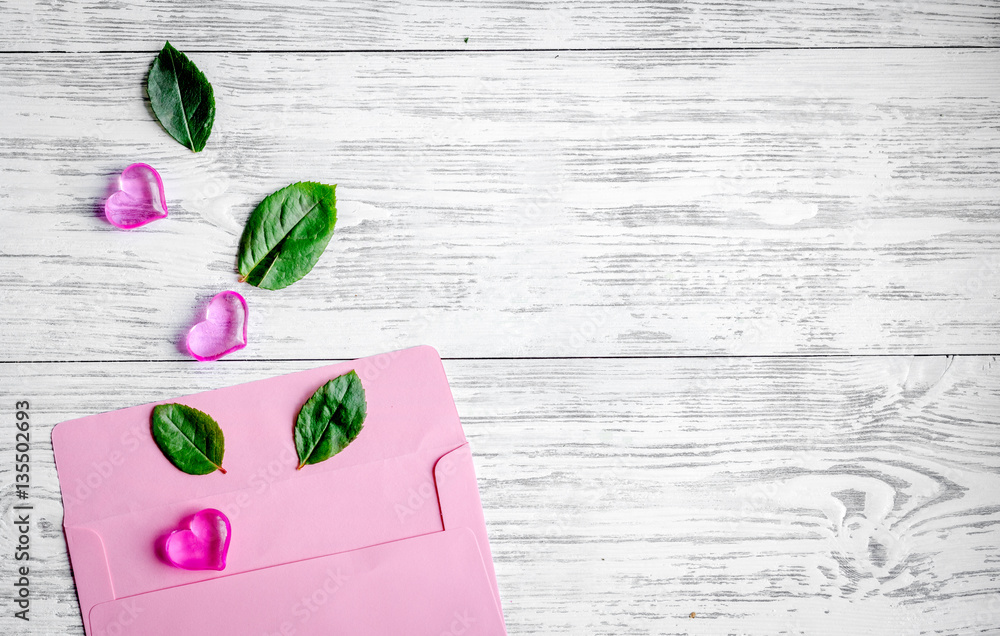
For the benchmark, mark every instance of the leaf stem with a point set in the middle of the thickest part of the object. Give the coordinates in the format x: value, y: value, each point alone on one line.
x: 221, y: 469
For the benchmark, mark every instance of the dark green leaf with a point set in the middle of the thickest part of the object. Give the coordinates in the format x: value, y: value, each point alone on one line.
x: 190, y: 439
x: 182, y: 98
x: 286, y: 234
x: 330, y: 419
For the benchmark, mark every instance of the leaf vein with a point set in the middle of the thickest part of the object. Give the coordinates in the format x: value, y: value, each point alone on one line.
x: 319, y: 437
x: 192, y: 443
x: 180, y: 100
x: 278, y: 244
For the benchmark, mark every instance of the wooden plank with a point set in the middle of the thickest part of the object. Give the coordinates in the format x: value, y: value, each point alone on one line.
x: 488, y: 24
x: 521, y: 204
x: 765, y: 495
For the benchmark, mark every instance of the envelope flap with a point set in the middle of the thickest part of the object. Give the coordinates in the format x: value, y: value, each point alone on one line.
x: 89, y: 561
x: 424, y: 586
x: 109, y: 464
x: 458, y: 498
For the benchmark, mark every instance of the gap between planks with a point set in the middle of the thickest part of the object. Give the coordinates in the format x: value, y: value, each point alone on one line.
x: 804, y: 356
x: 610, y: 49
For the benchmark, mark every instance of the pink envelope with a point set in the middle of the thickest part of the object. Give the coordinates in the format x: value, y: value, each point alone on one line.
x: 387, y: 537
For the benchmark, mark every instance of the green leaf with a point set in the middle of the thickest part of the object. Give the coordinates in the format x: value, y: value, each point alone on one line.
x: 182, y: 98
x: 190, y: 439
x: 330, y: 419
x: 286, y: 234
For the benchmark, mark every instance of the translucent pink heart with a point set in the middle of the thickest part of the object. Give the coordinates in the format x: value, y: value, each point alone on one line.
x: 139, y: 200
x: 201, y: 543
x: 224, y: 329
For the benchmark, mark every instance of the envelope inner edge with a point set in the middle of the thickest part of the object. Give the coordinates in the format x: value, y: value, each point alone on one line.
x: 327, y: 513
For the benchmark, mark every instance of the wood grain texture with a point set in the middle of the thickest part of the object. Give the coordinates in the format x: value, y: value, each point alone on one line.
x: 768, y: 496
x: 520, y: 204
x: 74, y: 25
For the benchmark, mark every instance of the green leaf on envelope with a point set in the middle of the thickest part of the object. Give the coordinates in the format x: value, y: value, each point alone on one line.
x: 331, y: 419
x: 190, y: 439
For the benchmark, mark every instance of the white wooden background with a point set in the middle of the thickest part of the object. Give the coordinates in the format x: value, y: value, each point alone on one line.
x: 716, y: 283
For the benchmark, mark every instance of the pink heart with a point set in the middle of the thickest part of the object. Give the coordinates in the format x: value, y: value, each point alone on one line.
x: 202, y: 545
x: 224, y: 329
x: 139, y: 200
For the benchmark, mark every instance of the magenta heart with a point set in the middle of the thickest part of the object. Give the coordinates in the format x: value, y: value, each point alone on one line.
x: 224, y: 329
x: 139, y: 200
x: 202, y: 544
